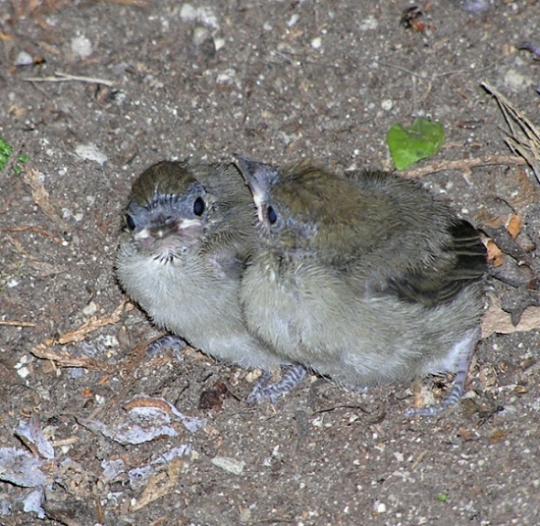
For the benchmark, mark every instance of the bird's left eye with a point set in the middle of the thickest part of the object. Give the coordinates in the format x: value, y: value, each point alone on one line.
x: 198, y: 206
x: 130, y: 222
x: 271, y: 214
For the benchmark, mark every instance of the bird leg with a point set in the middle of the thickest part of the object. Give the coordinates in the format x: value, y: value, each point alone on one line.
x: 465, y: 350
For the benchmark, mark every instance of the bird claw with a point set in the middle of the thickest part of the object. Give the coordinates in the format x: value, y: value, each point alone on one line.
x: 264, y: 390
x: 169, y: 341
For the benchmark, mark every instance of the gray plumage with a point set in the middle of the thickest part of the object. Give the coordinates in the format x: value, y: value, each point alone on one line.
x: 364, y: 278
x: 189, y: 231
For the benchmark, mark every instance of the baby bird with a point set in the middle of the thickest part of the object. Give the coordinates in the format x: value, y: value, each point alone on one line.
x: 364, y: 278
x: 189, y: 229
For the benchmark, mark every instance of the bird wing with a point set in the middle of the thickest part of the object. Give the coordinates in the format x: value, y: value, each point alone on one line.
x: 436, y: 284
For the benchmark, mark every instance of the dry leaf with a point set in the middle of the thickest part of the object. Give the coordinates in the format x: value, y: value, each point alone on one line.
x: 497, y: 321
x: 495, y: 255
x: 154, y: 490
x: 93, y: 324
x: 41, y: 198
x: 497, y: 435
x: 513, y: 225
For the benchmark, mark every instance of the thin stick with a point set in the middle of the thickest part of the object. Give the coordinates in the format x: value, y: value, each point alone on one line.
x: 66, y: 77
x: 464, y: 165
x: 523, y: 138
x: 434, y: 76
x: 134, y: 3
x: 16, y: 323
x: 35, y: 229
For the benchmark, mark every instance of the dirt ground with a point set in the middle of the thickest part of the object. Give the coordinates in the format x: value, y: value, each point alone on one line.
x: 275, y: 81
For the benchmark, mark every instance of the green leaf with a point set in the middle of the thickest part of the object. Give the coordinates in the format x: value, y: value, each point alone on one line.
x: 409, y: 145
x: 5, y: 153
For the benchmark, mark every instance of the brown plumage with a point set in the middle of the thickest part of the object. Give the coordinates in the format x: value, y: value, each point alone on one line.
x: 364, y: 278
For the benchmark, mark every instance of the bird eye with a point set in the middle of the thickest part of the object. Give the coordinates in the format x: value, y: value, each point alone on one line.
x: 271, y: 214
x: 198, y: 206
x: 130, y: 222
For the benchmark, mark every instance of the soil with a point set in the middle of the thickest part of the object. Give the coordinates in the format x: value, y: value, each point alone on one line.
x: 276, y: 81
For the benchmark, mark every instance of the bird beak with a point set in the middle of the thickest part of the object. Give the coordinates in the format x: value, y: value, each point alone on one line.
x: 258, y: 177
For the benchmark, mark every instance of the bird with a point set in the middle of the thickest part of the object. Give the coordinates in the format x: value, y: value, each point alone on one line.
x: 364, y: 277
x: 189, y: 231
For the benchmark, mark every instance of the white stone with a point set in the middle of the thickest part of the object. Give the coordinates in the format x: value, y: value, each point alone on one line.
x: 369, y: 23
x: 517, y: 82
x: 81, y: 46
x: 203, y: 15
x: 229, y: 464
x: 90, y: 309
x: 24, y: 59
x: 89, y: 152
x: 387, y: 104
x: 293, y: 20
x: 219, y: 43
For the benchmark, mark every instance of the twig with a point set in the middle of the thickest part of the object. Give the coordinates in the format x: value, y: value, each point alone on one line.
x: 524, y: 138
x: 94, y: 323
x: 43, y: 350
x: 134, y: 3
x: 64, y: 359
x: 35, y: 229
x: 66, y: 77
x: 464, y: 164
x: 434, y: 76
x: 419, y: 459
x: 16, y: 323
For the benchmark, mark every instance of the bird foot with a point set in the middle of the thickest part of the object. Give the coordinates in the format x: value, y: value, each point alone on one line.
x: 263, y: 390
x: 169, y: 341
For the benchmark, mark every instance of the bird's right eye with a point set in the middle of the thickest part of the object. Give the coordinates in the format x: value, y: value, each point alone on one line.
x: 130, y: 222
x: 271, y: 214
x: 198, y: 206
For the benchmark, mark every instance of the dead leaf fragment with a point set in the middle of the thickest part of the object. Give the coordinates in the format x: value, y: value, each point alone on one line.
x: 465, y: 434
x: 64, y: 359
x: 513, y: 225
x: 93, y: 324
x: 160, y: 484
x: 497, y: 321
x: 41, y: 197
x: 495, y: 255
x: 497, y: 435
x: 213, y: 398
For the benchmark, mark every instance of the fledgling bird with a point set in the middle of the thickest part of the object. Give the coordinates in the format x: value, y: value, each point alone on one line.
x: 190, y: 227
x: 364, y: 278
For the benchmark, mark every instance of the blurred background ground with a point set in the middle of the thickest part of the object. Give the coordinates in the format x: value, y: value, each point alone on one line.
x: 126, y: 83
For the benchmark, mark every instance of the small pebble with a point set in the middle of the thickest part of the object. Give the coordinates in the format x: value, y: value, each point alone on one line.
x: 24, y: 59
x: 292, y: 21
x: 369, y: 24
x: 316, y: 43
x: 226, y: 77
x: 475, y: 6
x: 387, y: 104
x: 200, y: 34
x: 517, y: 82
x: 379, y: 507
x: 81, y: 46
x: 229, y: 464
x: 219, y: 43
x: 89, y: 152
x: 203, y: 15
x: 90, y: 309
